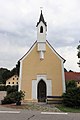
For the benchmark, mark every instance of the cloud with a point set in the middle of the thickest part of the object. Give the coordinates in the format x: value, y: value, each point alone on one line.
x: 70, y: 55
x: 18, y: 20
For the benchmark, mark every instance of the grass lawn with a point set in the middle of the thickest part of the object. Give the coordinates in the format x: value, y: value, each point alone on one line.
x: 68, y: 109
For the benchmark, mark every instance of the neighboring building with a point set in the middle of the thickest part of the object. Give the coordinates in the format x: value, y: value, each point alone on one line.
x: 14, y: 80
x: 73, y: 76
x: 41, y: 68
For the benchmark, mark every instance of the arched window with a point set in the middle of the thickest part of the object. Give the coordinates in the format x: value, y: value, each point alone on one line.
x: 41, y: 29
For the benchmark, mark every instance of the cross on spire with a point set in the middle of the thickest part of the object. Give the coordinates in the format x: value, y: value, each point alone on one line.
x: 41, y: 8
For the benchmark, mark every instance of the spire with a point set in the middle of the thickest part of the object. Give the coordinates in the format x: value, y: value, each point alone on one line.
x: 41, y: 19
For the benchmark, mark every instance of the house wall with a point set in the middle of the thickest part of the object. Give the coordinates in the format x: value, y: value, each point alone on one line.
x: 78, y: 84
x: 12, y: 81
x: 32, y: 66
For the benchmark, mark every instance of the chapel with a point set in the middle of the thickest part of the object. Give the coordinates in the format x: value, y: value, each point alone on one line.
x: 41, y: 68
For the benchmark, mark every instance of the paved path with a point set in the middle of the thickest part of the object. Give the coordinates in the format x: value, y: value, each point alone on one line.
x: 36, y: 115
x: 3, y: 108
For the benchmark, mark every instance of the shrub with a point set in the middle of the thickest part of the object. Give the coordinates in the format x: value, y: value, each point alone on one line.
x: 2, y: 88
x: 71, y: 84
x: 11, y: 89
x: 8, y: 100
x: 72, y: 97
x: 13, y: 97
x: 19, y: 95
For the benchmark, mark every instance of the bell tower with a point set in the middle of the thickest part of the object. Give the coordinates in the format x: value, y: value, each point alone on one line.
x: 41, y: 36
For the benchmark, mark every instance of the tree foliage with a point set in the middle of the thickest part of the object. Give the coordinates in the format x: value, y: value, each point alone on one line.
x: 72, y: 96
x: 11, y: 89
x: 2, y: 71
x: 70, y: 85
x: 65, y: 70
x: 13, y: 97
x: 78, y: 54
x: 6, y: 74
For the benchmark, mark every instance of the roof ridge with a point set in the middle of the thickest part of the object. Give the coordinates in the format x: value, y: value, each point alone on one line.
x: 28, y: 51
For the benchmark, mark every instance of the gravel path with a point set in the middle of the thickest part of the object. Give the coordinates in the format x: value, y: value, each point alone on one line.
x: 31, y: 106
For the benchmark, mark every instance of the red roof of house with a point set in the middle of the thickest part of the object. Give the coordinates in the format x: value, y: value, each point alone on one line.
x: 72, y: 76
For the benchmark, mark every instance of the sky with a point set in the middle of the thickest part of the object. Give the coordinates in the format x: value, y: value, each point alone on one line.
x: 18, y: 19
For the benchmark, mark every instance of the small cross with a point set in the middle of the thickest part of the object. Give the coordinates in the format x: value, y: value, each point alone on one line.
x: 41, y: 8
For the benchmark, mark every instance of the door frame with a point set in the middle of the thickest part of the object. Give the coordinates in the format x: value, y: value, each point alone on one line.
x: 41, y: 93
x: 35, y: 83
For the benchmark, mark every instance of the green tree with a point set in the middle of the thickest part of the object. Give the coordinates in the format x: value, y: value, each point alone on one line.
x: 65, y: 70
x: 11, y: 89
x: 18, y: 68
x: 2, y: 73
x: 78, y: 54
x: 72, y: 96
x: 71, y: 84
x: 5, y: 76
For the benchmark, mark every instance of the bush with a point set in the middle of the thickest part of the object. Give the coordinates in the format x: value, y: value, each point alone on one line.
x: 13, y: 97
x: 71, y: 84
x: 2, y: 88
x: 72, y: 97
x: 19, y: 95
x: 11, y: 89
x: 8, y: 99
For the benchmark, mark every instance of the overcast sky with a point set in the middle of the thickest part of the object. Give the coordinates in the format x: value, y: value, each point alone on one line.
x: 18, y: 19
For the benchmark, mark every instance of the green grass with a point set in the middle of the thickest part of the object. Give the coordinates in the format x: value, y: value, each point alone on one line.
x: 68, y: 109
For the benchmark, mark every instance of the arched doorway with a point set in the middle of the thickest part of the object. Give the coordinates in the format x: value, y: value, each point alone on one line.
x: 41, y: 91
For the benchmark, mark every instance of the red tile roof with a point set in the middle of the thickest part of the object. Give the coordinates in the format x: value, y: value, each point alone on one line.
x: 72, y: 76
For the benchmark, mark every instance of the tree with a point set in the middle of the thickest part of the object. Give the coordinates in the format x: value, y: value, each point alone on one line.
x: 2, y: 75
x: 11, y: 89
x: 72, y: 96
x: 70, y: 71
x: 6, y: 74
x: 65, y: 70
x: 71, y: 84
x: 18, y: 68
x: 78, y: 53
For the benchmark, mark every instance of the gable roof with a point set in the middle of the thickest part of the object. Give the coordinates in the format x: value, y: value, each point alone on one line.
x: 54, y: 51
x: 72, y: 76
x: 28, y: 51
